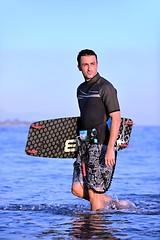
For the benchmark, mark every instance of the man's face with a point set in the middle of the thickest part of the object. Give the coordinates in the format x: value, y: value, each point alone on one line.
x: 88, y: 66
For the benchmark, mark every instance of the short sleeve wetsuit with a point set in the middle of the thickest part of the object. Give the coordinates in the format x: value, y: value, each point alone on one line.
x: 97, y: 98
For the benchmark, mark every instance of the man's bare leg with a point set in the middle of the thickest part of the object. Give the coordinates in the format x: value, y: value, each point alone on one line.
x: 97, y: 200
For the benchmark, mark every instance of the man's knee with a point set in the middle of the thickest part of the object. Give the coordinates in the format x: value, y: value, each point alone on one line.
x: 80, y: 190
x: 76, y: 189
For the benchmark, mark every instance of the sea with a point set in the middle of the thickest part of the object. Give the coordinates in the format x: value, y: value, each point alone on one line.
x: 36, y: 201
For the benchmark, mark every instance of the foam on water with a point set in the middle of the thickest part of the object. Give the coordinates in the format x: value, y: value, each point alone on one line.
x: 121, y: 205
x: 113, y: 206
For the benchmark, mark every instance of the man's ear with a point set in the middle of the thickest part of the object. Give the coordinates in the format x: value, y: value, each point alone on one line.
x: 79, y: 67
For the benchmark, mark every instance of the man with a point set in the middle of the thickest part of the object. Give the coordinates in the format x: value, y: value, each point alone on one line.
x: 98, y: 102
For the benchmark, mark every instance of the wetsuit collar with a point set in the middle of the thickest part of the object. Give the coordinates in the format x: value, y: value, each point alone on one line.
x: 94, y: 79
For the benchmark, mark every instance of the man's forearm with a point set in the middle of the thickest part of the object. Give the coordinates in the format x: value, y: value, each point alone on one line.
x: 114, y: 129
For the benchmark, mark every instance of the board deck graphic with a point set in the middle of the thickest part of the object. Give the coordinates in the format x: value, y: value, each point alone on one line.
x: 58, y: 138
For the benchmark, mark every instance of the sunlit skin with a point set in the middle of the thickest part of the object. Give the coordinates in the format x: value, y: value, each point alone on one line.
x: 88, y: 66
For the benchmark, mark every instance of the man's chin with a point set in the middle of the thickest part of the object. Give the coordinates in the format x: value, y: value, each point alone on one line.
x: 89, y: 77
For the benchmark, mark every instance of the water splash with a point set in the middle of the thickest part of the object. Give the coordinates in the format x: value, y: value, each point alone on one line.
x: 126, y: 205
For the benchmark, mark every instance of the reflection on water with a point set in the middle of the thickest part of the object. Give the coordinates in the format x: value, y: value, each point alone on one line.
x: 63, y: 221
x: 85, y: 226
x: 91, y: 226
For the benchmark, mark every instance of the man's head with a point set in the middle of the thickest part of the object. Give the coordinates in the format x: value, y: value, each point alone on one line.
x: 87, y: 63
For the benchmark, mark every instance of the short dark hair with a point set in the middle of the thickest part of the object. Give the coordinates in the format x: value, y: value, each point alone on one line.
x: 85, y: 52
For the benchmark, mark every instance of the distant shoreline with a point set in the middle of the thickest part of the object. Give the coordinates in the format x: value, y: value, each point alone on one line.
x: 14, y: 123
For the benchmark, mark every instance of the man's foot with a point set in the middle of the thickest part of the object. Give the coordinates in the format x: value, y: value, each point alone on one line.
x: 127, y: 204
x: 119, y: 205
x: 123, y: 203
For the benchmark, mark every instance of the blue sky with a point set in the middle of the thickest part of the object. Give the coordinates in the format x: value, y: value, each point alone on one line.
x: 39, y: 43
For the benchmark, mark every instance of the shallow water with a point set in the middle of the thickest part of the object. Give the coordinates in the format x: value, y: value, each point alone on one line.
x: 36, y: 202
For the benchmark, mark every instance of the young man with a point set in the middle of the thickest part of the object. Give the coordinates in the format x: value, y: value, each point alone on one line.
x: 98, y: 102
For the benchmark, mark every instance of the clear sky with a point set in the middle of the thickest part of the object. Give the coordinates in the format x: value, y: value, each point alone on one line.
x: 39, y: 43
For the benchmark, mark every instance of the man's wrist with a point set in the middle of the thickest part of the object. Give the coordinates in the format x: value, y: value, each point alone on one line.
x: 110, y: 147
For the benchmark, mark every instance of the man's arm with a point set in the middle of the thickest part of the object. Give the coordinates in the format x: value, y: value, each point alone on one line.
x: 114, y: 129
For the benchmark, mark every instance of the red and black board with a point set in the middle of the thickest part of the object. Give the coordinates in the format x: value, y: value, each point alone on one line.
x: 58, y: 138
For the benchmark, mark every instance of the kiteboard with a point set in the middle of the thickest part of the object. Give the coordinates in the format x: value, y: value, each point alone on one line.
x: 59, y: 138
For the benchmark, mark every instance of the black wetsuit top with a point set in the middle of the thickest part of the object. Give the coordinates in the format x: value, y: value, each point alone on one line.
x: 97, y: 98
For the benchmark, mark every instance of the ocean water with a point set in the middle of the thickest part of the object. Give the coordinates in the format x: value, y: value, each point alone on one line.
x: 36, y: 201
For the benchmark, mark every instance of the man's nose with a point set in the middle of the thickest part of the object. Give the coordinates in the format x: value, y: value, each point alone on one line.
x: 89, y: 67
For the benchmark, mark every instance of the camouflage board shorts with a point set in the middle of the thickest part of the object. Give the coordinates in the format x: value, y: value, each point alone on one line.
x: 98, y: 175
